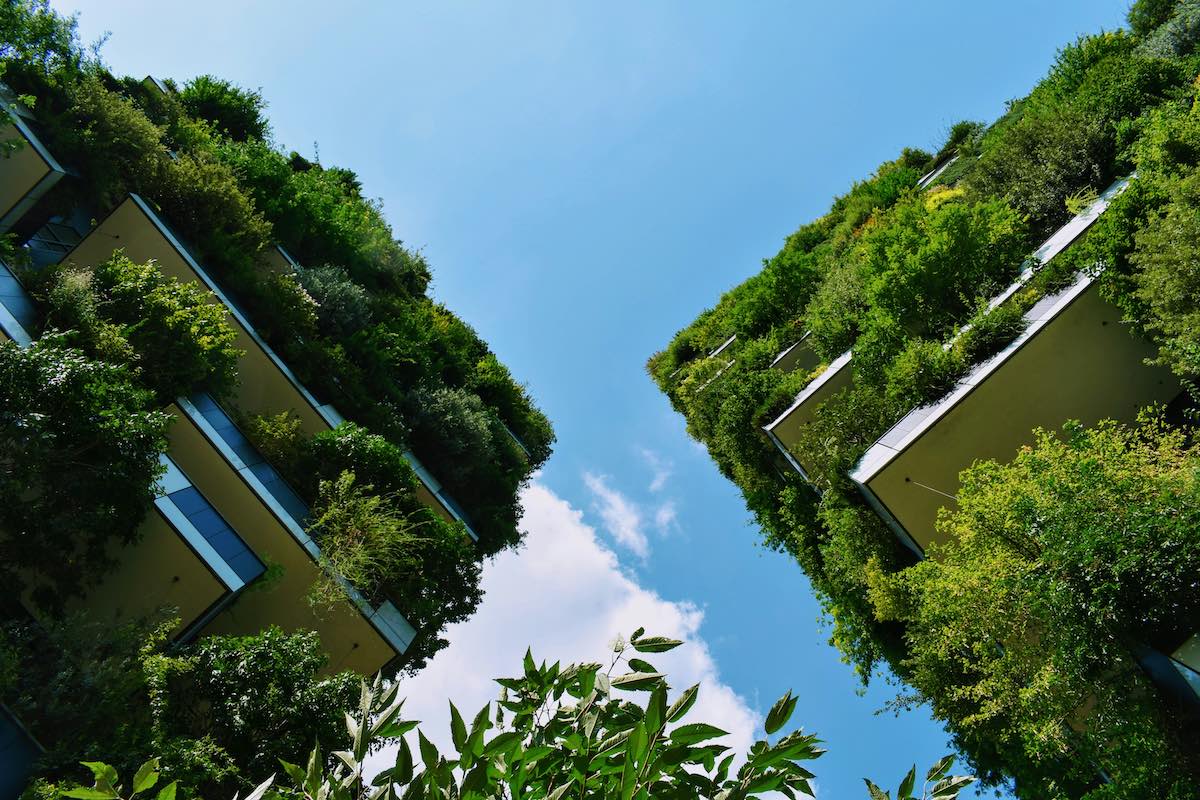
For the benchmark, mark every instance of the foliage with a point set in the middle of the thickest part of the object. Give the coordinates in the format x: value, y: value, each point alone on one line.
x: 245, y: 702
x: 1146, y: 15
x: 1168, y: 278
x: 178, y: 337
x: 79, y: 447
x: 364, y: 538
x: 1057, y: 567
x: 343, y: 306
x: 34, y: 38
x: 213, y: 712
x: 1177, y: 34
x: 442, y: 587
x: 236, y: 112
x: 570, y: 731
x: 78, y: 684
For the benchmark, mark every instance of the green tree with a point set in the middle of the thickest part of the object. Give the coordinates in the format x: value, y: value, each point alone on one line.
x: 1023, y: 630
x: 232, y: 110
x: 176, y: 334
x: 228, y: 708
x: 79, y: 448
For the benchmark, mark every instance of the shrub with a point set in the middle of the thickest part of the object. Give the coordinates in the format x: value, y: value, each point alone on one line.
x: 1146, y: 15
x: 444, y: 586
x: 364, y: 538
x: 343, y: 307
x: 1057, y: 565
x: 1168, y: 278
x: 922, y: 372
x: 179, y: 338
x: 236, y: 112
x: 80, y: 444
x: 240, y: 704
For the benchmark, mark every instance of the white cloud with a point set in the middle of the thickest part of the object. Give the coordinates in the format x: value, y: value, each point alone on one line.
x: 565, y: 595
x: 660, y: 468
x: 665, y: 517
x: 621, y: 516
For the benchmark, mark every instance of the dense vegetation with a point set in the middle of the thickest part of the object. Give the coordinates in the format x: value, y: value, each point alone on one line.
x: 893, y: 271
x: 216, y: 713
x: 354, y: 323
x: 556, y: 731
x: 80, y: 441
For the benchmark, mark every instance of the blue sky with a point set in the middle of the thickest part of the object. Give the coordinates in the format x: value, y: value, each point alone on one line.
x: 584, y: 180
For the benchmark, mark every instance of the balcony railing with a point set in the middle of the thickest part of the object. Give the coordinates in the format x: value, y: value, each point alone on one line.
x: 29, y: 170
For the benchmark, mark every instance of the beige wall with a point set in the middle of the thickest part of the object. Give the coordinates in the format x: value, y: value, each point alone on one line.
x: 427, y: 497
x: 264, y: 388
x: 159, y: 570
x: 788, y: 431
x: 350, y: 641
x: 1083, y: 365
x: 21, y: 171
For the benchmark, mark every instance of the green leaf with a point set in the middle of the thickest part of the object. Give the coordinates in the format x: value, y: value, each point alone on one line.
x: 637, y: 681
x: 102, y: 772
x: 656, y: 709
x: 396, y: 728
x: 633, y: 637
x: 146, y: 777
x: 294, y: 772
x: 88, y: 793
x: 683, y: 703
x: 939, y: 770
x: 167, y: 792
x: 503, y: 743
x: 458, y: 729
x: 906, y: 785
x: 948, y: 788
x: 429, y: 753
x: 875, y: 792
x: 695, y: 732
x: 559, y: 792
x: 530, y: 666
x: 656, y: 644
x: 404, y: 763
x: 641, y: 666
x: 312, y: 777
x: 780, y: 713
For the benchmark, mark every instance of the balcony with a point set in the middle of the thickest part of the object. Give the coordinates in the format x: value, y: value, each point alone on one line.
x: 800, y: 356
x: 268, y: 386
x: 17, y: 312
x: 27, y: 173
x: 786, y: 430
x: 789, y: 426
x: 188, y: 557
x: 436, y: 497
x: 1075, y: 360
x: 255, y: 498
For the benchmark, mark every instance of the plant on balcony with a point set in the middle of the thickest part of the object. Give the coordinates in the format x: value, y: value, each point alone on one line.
x: 442, y: 586
x: 215, y: 713
x: 1025, y: 625
x: 175, y: 334
x: 79, y: 448
x: 235, y: 112
x: 365, y: 539
x: 343, y: 307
